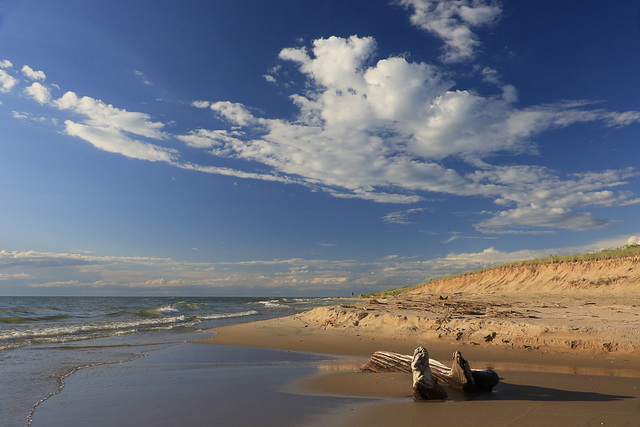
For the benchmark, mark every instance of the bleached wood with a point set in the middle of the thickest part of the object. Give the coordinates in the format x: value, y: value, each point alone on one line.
x: 460, y: 375
x: 425, y: 385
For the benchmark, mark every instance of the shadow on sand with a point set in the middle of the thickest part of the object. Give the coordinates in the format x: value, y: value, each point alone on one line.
x: 507, y: 391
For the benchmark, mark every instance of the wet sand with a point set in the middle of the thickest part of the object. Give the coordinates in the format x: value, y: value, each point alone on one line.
x: 193, y: 385
x: 523, y: 398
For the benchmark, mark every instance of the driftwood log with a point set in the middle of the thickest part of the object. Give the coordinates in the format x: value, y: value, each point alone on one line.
x: 425, y: 385
x: 460, y: 375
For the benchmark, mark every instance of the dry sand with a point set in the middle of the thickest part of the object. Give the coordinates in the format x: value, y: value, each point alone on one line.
x: 567, y: 357
x: 573, y: 326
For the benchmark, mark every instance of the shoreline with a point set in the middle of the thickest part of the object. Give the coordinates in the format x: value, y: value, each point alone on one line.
x: 553, y: 382
x: 190, y: 384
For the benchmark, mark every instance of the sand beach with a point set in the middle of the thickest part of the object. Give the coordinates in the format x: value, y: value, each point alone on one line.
x: 567, y: 354
x: 572, y: 363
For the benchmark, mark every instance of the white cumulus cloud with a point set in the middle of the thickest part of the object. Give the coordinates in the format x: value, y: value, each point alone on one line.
x: 7, y: 81
x: 38, y: 92
x: 383, y: 130
x: 32, y: 74
x: 452, y: 21
x: 100, y: 114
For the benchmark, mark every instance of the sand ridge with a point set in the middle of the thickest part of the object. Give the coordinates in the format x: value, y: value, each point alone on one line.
x: 533, y: 321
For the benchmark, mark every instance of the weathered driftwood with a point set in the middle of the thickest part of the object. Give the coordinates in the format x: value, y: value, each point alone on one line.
x: 425, y: 385
x: 388, y: 361
x: 459, y: 375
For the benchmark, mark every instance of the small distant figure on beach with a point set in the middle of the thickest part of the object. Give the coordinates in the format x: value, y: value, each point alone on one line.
x: 351, y: 294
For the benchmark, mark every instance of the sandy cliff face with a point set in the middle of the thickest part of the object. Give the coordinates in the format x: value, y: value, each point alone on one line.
x: 618, y: 275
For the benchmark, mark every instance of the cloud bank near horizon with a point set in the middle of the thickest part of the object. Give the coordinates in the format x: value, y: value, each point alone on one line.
x: 74, y: 273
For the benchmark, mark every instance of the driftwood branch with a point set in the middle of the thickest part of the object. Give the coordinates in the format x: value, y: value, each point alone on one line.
x: 460, y: 375
x: 425, y: 385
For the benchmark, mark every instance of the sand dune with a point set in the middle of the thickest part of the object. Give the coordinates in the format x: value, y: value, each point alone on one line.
x: 608, y: 276
x: 573, y: 306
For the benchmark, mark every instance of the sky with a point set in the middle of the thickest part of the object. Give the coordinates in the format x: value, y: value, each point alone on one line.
x: 312, y: 148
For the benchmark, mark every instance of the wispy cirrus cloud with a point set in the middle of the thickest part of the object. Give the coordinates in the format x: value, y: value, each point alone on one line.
x: 401, y: 217
x: 529, y: 220
x: 111, y: 139
x: 143, y: 77
x: 16, y: 276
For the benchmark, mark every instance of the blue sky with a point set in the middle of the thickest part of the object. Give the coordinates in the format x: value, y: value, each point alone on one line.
x: 309, y: 148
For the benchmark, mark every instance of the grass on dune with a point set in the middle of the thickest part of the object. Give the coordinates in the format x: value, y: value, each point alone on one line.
x: 624, y: 251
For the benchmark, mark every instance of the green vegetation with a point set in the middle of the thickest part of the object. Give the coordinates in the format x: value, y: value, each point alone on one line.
x: 628, y: 250
x: 392, y: 292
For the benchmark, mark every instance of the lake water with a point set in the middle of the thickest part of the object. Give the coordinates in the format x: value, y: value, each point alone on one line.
x: 44, y: 340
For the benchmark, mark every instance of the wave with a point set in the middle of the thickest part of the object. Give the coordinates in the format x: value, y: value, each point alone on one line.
x: 148, y: 312
x: 14, y: 319
x: 59, y: 320
x: 157, y: 311
x: 55, y: 317
x: 10, y: 346
x: 292, y: 304
x: 274, y: 303
x: 19, y: 309
x: 226, y: 315
x: 177, y: 307
x: 78, y: 332
x: 20, y: 319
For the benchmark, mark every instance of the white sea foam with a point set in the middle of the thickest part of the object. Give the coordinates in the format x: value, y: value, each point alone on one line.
x: 274, y: 303
x: 168, y: 309
x: 227, y: 315
x: 64, y: 330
